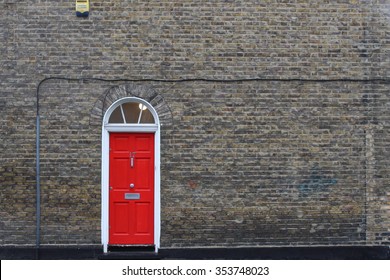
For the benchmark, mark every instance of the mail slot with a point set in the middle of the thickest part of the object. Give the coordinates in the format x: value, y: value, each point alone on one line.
x: 132, y: 196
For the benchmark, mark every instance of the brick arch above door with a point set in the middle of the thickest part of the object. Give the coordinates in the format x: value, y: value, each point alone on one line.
x: 115, y: 93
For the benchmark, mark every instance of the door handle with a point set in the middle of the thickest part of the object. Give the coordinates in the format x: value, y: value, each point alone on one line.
x: 131, y: 185
x: 132, y: 155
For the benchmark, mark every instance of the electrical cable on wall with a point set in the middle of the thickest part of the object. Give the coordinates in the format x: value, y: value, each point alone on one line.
x: 384, y: 80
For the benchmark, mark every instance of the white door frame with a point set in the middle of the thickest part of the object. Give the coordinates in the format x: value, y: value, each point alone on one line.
x: 106, y: 129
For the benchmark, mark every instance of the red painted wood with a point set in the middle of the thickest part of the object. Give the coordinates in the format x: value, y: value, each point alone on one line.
x: 131, y: 221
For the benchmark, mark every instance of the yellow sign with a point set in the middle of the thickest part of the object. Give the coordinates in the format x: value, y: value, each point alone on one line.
x: 82, y: 8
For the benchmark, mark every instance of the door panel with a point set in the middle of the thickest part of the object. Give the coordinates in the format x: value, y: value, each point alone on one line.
x: 121, y: 216
x: 121, y: 166
x: 143, y: 144
x: 131, y: 194
x: 142, y: 182
x: 142, y: 212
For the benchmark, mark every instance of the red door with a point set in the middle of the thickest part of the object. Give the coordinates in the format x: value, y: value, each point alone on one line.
x: 131, y: 183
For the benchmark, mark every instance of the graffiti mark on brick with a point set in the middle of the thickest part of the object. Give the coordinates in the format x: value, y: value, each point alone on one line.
x: 317, y: 182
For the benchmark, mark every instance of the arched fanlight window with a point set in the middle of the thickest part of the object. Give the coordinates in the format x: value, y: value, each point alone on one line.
x: 131, y: 113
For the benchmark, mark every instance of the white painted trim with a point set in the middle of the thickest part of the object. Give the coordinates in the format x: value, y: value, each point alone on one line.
x: 106, y: 129
x: 123, y: 114
x: 131, y: 127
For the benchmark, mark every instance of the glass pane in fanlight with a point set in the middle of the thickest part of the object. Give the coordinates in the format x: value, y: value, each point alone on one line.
x: 116, y: 116
x: 131, y: 111
x: 147, y: 117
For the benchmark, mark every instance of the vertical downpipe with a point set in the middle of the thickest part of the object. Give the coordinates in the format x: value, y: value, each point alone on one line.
x: 38, y: 175
x: 38, y: 189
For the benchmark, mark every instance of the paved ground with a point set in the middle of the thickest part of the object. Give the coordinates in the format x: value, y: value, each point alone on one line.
x: 280, y: 253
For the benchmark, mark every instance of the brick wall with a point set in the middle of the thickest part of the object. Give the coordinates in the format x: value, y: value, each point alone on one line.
x: 243, y: 163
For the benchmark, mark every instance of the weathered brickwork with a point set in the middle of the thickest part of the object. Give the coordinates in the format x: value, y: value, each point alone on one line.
x: 243, y: 163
